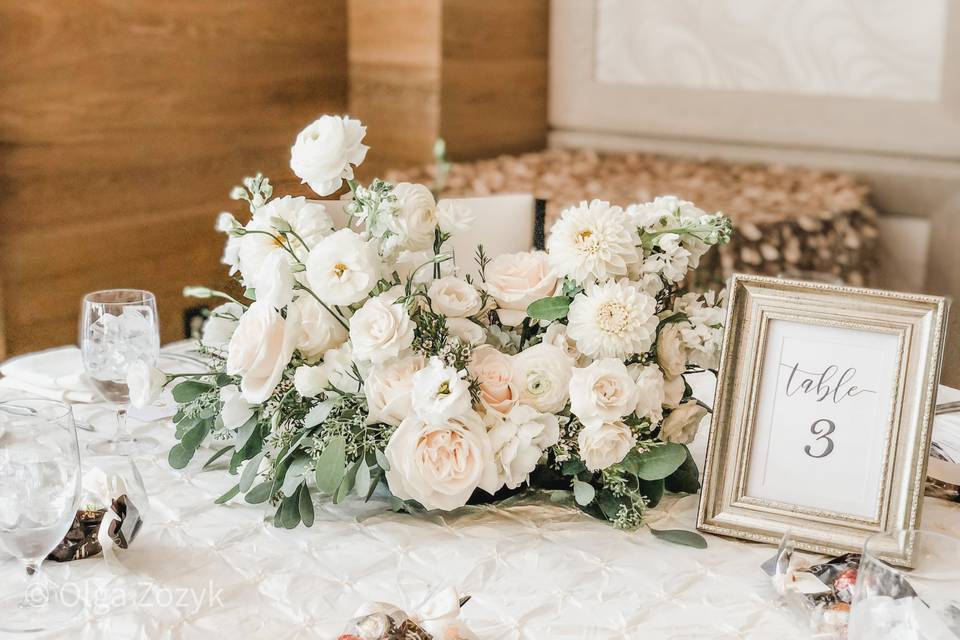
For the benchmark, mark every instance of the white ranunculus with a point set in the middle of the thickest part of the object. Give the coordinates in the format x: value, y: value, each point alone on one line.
x: 323, y: 153
x: 602, y: 392
x: 381, y: 329
x: 671, y: 353
x: 467, y: 330
x: 319, y: 330
x: 682, y: 423
x: 388, y: 389
x: 515, y: 280
x: 274, y: 282
x: 673, y: 389
x: 454, y: 297
x: 415, y: 218
x: 593, y: 243
x: 612, y: 320
x: 440, y: 393
x: 605, y: 444
x: 650, y: 393
x: 236, y: 410
x: 454, y: 217
x: 542, y: 376
x: 440, y: 464
x: 260, y: 349
x: 145, y: 383
x: 310, y: 381
x: 518, y: 442
x: 343, y: 268
x: 493, y: 371
x: 220, y: 325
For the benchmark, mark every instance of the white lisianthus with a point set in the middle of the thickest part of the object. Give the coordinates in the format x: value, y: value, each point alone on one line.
x: 415, y: 218
x: 388, y: 389
x: 672, y: 261
x: 542, y: 377
x: 319, y: 330
x: 515, y: 280
x: 650, y: 392
x: 343, y: 268
x: 602, y: 392
x: 518, y: 442
x: 260, y: 349
x: 454, y: 297
x: 454, y: 217
x: 323, y: 153
x: 614, y: 319
x: 440, y: 464
x: 236, y: 410
x: 593, y: 242
x: 310, y: 381
x: 493, y: 371
x: 671, y: 352
x: 440, y: 393
x: 220, y: 326
x: 467, y: 330
x: 381, y: 329
x: 604, y: 444
x: 145, y: 383
x: 682, y: 423
x: 274, y: 281
x: 307, y: 221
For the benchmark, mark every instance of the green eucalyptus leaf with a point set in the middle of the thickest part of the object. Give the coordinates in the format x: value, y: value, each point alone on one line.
x: 260, y: 493
x: 583, y: 492
x: 656, y: 463
x: 346, y: 486
x: 192, y: 438
x: 295, y: 474
x: 680, y: 536
x: 331, y: 466
x: 306, y: 506
x: 249, y: 473
x: 652, y: 490
x: 290, y: 511
x: 377, y: 476
x: 572, y: 467
x: 609, y: 504
x: 180, y: 456
x: 245, y: 432
x: 382, y: 459
x: 686, y: 479
x: 229, y: 495
x: 190, y: 390
x: 362, y: 483
x: 219, y: 454
x: 552, y: 308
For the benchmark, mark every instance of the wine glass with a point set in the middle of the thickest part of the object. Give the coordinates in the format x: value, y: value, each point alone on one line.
x: 117, y: 328
x: 39, y: 495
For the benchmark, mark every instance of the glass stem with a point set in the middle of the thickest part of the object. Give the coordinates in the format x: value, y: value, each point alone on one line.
x: 35, y: 592
x: 122, y: 434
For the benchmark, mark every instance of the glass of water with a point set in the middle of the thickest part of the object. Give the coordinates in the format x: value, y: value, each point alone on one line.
x: 117, y: 328
x: 39, y: 495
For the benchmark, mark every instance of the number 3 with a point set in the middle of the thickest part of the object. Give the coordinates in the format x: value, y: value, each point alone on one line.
x: 821, y: 435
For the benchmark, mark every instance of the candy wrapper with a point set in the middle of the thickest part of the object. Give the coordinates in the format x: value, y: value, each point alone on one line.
x: 436, y: 619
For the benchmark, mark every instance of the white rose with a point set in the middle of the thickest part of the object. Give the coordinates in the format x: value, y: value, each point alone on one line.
x: 310, y: 381
x: 319, y: 330
x: 515, y: 280
x: 673, y: 389
x: 467, y: 330
x: 605, y: 444
x: 145, y: 383
x: 343, y: 268
x: 274, y: 281
x: 454, y: 297
x: 493, y: 371
x: 542, y: 376
x: 602, y: 392
x: 220, y: 326
x: 236, y: 410
x: 440, y: 464
x: 415, y: 218
x: 260, y: 349
x: 440, y: 393
x: 324, y: 152
x: 682, y: 423
x: 388, y: 390
x: 454, y: 217
x: 650, y: 392
x: 518, y: 442
x: 380, y: 330
x: 671, y: 354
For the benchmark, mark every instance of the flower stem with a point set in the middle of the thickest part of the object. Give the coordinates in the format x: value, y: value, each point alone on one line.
x: 324, y: 305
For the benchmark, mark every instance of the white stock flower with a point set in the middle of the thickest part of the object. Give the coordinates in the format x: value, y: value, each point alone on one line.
x: 672, y: 262
x: 454, y: 297
x: 454, y: 217
x: 682, y: 423
x: 319, y: 330
x: 515, y: 280
x: 593, y: 242
x: 260, y: 349
x: 380, y: 329
x: 323, y: 153
x: 663, y: 212
x: 673, y: 389
x: 614, y: 319
x: 650, y: 392
x: 236, y: 410
x: 671, y: 352
x: 440, y: 464
x: 605, y: 444
x: 493, y: 371
x: 440, y: 392
x: 145, y: 383
x: 467, y: 330
x: 220, y: 326
x: 518, y: 442
x: 415, y: 218
x: 388, y: 389
x: 542, y: 377
x: 343, y: 268
x: 602, y: 392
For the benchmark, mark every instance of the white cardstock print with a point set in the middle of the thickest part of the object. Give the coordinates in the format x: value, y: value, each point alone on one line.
x: 823, y: 417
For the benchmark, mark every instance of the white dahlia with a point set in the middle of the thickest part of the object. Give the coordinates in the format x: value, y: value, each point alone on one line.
x: 594, y: 241
x: 612, y: 320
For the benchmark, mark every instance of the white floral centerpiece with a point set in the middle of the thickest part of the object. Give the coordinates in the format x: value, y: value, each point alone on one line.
x: 363, y: 359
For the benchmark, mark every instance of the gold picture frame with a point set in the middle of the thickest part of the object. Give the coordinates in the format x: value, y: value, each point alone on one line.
x: 759, y: 406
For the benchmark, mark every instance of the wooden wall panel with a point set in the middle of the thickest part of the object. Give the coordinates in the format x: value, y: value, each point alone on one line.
x: 123, y: 126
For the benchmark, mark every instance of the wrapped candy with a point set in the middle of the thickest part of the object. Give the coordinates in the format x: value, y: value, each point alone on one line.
x: 436, y: 619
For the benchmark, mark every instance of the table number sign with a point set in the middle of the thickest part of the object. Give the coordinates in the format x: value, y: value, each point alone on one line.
x: 823, y: 413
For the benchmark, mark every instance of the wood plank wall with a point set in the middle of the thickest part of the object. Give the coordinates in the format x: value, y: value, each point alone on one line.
x: 124, y: 124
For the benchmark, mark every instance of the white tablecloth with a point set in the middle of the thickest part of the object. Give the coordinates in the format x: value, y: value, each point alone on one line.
x: 533, y: 570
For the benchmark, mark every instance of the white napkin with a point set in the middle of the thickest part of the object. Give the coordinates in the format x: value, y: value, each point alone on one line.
x: 55, y: 373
